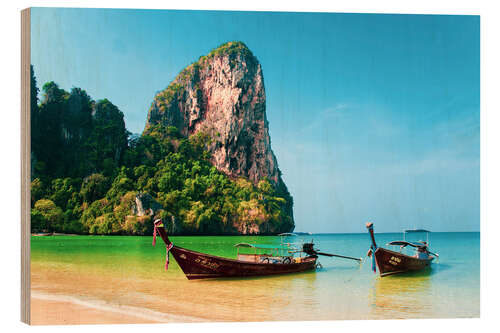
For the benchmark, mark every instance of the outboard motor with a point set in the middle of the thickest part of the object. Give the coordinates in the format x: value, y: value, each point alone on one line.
x: 309, y: 249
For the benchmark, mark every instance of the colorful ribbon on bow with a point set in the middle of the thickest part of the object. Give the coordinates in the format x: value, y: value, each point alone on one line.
x: 371, y: 253
x: 374, y: 264
x: 169, y: 246
x: 167, y: 255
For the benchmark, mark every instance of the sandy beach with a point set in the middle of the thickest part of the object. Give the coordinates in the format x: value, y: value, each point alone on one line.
x: 68, y: 295
x: 65, y: 310
x: 62, y: 297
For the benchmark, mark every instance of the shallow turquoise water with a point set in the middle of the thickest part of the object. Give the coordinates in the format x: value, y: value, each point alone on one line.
x: 342, y: 289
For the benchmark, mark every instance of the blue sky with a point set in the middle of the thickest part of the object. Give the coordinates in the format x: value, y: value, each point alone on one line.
x: 372, y: 117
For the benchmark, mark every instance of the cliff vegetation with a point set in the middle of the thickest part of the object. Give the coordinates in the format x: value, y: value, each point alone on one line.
x: 91, y: 176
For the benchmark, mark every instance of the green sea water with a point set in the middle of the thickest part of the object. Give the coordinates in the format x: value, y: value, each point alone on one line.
x: 123, y: 270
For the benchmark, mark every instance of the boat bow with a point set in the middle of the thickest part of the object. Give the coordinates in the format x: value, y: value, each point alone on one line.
x: 158, y: 228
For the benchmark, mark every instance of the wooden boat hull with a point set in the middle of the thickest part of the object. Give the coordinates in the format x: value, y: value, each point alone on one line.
x: 196, y: 265
x: 391, y: 262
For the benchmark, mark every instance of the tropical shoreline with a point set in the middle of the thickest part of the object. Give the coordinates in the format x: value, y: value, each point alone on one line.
x: 90, y: 280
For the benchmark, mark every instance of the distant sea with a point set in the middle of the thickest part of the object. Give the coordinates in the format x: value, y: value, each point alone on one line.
x: 128, y: 272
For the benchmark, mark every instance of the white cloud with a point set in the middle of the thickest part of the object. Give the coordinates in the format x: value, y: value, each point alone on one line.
x: 326, y: 115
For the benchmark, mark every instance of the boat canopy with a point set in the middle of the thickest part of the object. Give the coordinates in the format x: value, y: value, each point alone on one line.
x: 243, y: 245
x: 258, y: 246
x: 417, y: 230
x: 413, y: 231
x: 404, y: 243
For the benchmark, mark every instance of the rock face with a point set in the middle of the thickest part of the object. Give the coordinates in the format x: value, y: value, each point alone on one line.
x: 145, y: 204
x: 223, y: 95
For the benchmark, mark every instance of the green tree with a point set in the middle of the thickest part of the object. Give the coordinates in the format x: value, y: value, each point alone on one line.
x: 49, y: 146
x: 109, y: 137
x: 47, y: 215
x: 92, y: 212
x: 94, y: 187
x: 77, y: 125
x: 35, y: 128
x: 64, y: 192
x: 37, y: 191
x: 120, y: 186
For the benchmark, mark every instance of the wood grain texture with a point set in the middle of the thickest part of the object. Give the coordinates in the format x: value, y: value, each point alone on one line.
x: 25, y: 165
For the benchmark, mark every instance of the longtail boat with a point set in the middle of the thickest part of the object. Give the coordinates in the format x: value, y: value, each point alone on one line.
x: 275, y: 260
x: 392, y: 262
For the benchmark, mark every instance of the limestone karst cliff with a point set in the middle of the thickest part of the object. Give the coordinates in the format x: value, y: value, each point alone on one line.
x: 223, y: 95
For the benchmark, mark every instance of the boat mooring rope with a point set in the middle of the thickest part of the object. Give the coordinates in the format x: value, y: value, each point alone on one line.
x: 360, y: 267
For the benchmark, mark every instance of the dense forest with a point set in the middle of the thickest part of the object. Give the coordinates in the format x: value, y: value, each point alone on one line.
x: 88, y: 170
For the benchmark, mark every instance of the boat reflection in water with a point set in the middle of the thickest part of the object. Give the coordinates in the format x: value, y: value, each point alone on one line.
x: 403, y: 296
x: 260, y: 298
